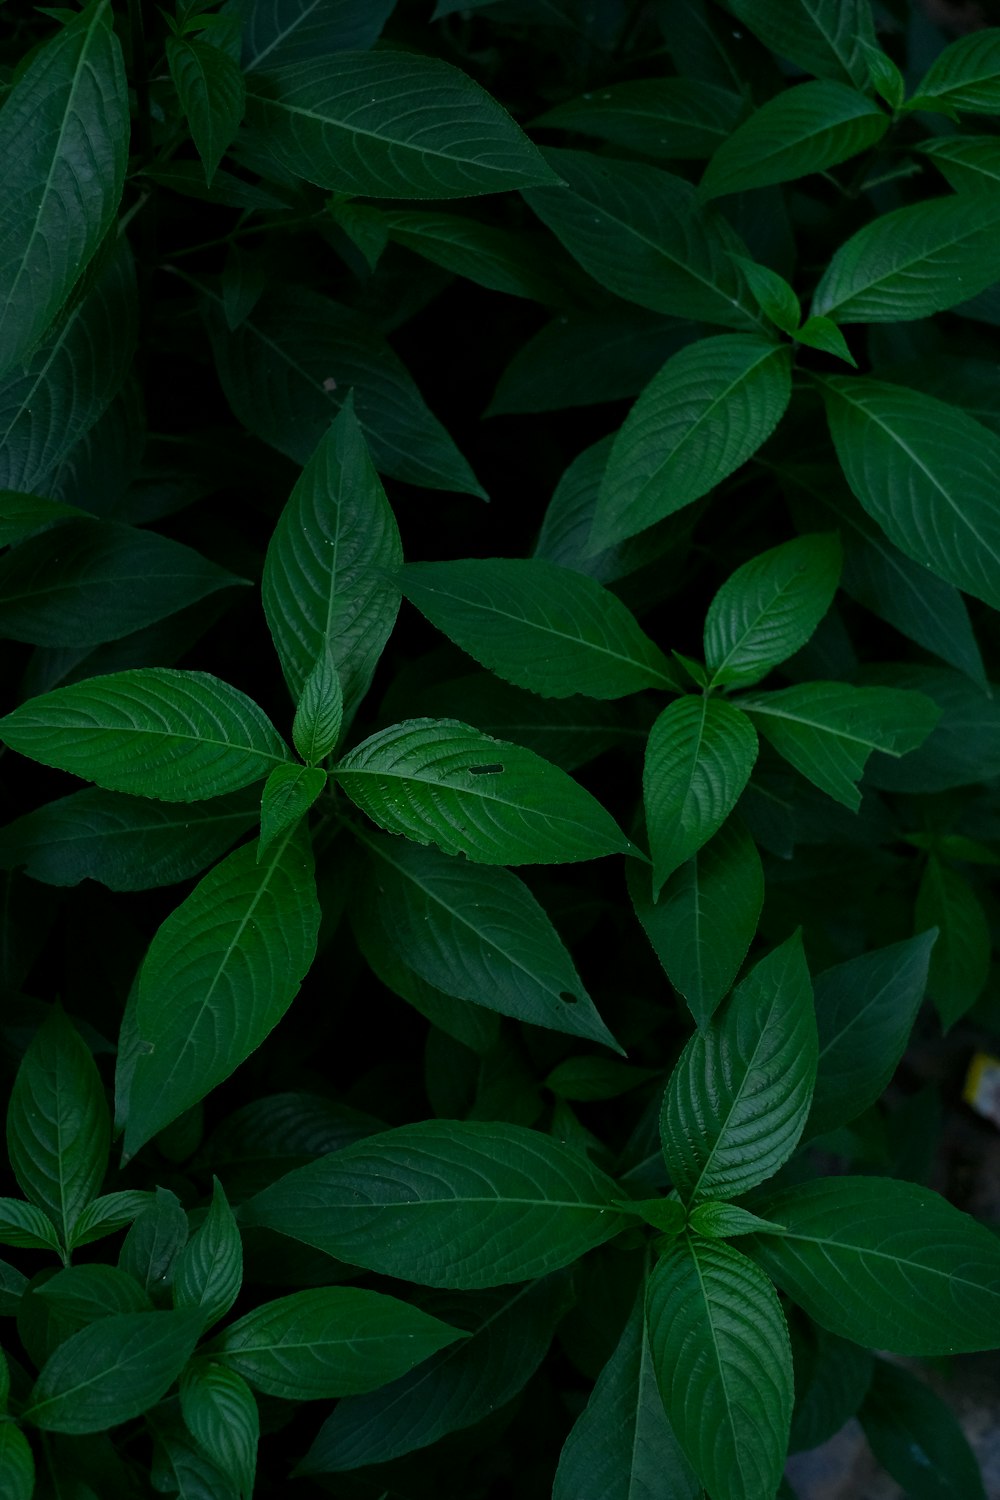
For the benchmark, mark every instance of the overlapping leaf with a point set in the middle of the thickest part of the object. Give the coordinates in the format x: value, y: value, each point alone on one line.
x: 825, y: 37
x: 672, y: 118
x: 284, y: 31
x: 966, y: 75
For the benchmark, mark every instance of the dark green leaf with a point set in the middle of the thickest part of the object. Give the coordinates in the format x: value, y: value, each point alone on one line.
x: 23, y: 515
x: 154, y: 1242
x: 284, y: 31
x: 331, y: 1341
x: 831, y: 1378
x: 823, y: 333
x: 593, y: 1077
x: 738, y: 1099
x: 107, y: 1214
x: 438, y: 781
x: 915, y: 1437
x: 319, y: 715
x: 826, y: 37
x: 522, y: 264
x: 209, y: 1270
x: 221, y: 1415
x: 964, y: 746
x: 179, y: 1465
x: 26, y: 1227
x: 966, y: 75
x: 885, y: 1263
x: 720, y: 1221
x: 212, y: 93
x: 85, y: 1293
x: 539, y: 626
x: 447, y: 1203
x: 219, y: 975
x: 12, y: 1285
x: 960, y: 959
x: 699, y: 757
x: 17, y: 1463
x: 58, y: 1130
x: 64, y: 136
x: 773, y: 295
x: 154, y: 732
x: 672, y: 118
x: 289, y: 793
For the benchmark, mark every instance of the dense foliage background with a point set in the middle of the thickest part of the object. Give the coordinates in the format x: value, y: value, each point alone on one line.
x: 337, y: 1145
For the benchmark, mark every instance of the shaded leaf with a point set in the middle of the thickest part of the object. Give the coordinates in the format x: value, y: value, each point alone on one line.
x: 284, y: 31
x: 966, y: 75
x: 221, y: 1415
x: 209, y: 1270
x: 673, y: 118
x: 212, y: 93
x: 289, y: 793
x: 960, y: 959
x: 915, y: 1437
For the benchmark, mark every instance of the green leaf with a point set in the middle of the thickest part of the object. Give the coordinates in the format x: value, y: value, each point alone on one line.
x: 107, y: 1214
x: 112, y: 1371
x: 521, y: 264
x: 221, y: 1415
x: 723, y: 1363
x: 212, y: 94
x: 622, y: 1446
x: 706, y: 916
x: 773, y: 295
x: 26, y: 1227
x: 964, y: 746
x: 438, y: 781
x: 831, y: 1378
x: 50, y: 401
x: 966, y: 75
x: 914, y: 261
x: 209, y: 1270
x: 289, y: 793
x: 885, y: 1263
x: 284, y: 31
x: 641, y: 233
x: 269, y: 1136
x: 823, y: 333
x: 968, y: 163
x: 82, y: 1294
x: 58, y: 1130
x: 738, y: 1099
x: 865, y: 1010
x: 672, y: 118
x: 447, y: 1203
x: 125, y: 843
x: 709, y: 409
x: 154, y: 732
x: 17, y: 1463
x: 319, y: 716
x: 768, y: 609
x: 808, y: 128
x: 23, y: 515
x: 827, y: 730
x: 914, y: 1435
x: 244, y: 281
x: 825, y: 37
x: 287, y: 370
x: 960, y: 959
x: 699, y: 757
x: 219, y: 975
x: 64, y: 133
x: 666, y: 1214
x: 479, y: 934
x: 330, y: 1341
x: 91, y: 581
x: 719, y: 1221
x: 329, y: 577
x: 509, y: 1335
x: 12, y: 1286
x: 592, y: 1077
x: 389, y: 125
x: 924, y: 471
x: 154, y: 1242
x: 886, y: 79
x: 539, y: 626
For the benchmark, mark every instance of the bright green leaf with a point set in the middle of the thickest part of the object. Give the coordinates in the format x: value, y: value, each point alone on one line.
x: 319, y: 715
x: 719, y: 1221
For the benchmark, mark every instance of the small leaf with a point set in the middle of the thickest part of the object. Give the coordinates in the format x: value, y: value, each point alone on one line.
x: 112, y: 1371
x: 17, y: 1463
x: 738, y: 1099
x: 447, y: 1203
x: 698, y: 759
x: 320, y: 712
x: 58, y: 1130
x: 212, y: 93
x: 709, y: 409
x: 584, y: 1079
x: 12, y: 1286
x: 966, y: 75
x: 886, y: 79
x: 26, y: 1227
x: 719, y: 1221
x: 674, y: 118
x: 770, y: 607
x: 154, y: 1242
x: 773, y: 295
x: 221, y: 1415
x: 723, y: 1363
x: 823, y: 333
x: 107, y: 1214
x: 438, y: 781
x: 209, y: 1270
x: 666, y: 1214
x: 960, y: 959
x: 289, y: 793
x: 330, y: 1341
x: 154, y: 732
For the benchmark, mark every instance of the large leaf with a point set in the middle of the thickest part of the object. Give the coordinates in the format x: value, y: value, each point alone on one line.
x: 125, y: 843
x: 112, y: 1371
x: 219, y: 975
x: 539, y: 626
x: 330, y: 1341
x: 284, y: 31
x: 672, y: 118
x: 64, y: 136
x: 865, y: 1010
x: 738, y: 1098
x: 154, y: 732
x: 723, y: 1363
x: 770, y: 607
x: 390, y: 125
x: 288, y: 367
x: 67, y: 382
x: 914, y: 261
x: 699, y: 756
x: 57, y: 1124
x: 92, y: 581
x: 622, y: 1446
x: 916, y: 1437
x: 960, y: 961
x: 711, y: 406
x: 966, y: 75
x: 447, y: 1203
x: 509, y: 1335
x: 827, y: 730
x: 925, y: 471
x: 706, y: 916
x: 826, y: 37
x: 479, y: 934
x: 887, y: 1264
x: 808, y: 128
x: 641, y: 234
x: 439, y: 782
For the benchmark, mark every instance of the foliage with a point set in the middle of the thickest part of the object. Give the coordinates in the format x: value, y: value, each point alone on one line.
x: 465, y: 1037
